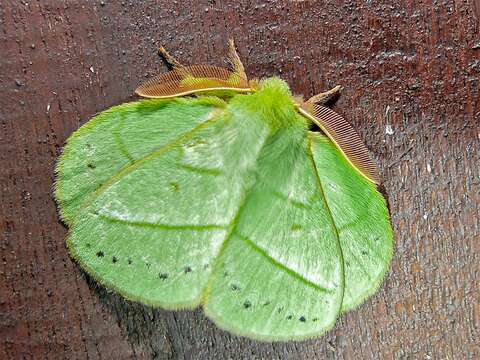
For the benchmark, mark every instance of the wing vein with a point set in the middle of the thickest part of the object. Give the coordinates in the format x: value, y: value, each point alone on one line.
x: 119, y: 141
x: 279, y: 265
x: 147, y: 224
x: 132, y: 166
x: 332, y: 219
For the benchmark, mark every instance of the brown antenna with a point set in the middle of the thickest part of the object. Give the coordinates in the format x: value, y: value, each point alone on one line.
x: 169, y: 58
x: 186, y: 80
x: 234, y: 59
x: 344, y: 136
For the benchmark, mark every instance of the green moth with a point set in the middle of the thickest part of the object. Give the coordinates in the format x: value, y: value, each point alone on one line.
x: 217, y: 193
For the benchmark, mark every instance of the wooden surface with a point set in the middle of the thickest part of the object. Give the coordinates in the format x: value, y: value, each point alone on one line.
x: 411, y: 64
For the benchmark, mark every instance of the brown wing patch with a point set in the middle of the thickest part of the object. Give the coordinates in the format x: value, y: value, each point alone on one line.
x: 191, y: 79
x: 345, y: 138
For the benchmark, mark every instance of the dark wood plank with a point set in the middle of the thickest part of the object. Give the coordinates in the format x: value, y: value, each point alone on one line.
x: 414, y: 65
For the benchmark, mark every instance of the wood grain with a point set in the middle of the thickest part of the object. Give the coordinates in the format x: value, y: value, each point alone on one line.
x: 413, y: 65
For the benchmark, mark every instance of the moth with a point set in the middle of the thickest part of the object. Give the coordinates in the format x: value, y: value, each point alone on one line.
x: 231, y: 194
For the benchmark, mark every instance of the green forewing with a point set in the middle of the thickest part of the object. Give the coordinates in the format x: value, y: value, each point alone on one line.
x: 237, y: 207
x: 119, y: 136
x: 361, y: 218
x: 280, y: 272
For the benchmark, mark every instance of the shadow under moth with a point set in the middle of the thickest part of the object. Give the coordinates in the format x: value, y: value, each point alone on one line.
x: 216, y: 192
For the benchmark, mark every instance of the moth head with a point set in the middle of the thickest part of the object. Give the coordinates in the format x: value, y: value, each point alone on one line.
x: 200, y: 79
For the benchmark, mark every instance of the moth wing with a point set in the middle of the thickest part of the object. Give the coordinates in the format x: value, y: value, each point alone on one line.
x: 361, y: 217
x: 153, y: 230
x: 280, y: 274
x: 344, y: 136
x: 187, y: 80
x: 117, y: 137
x: 195, y: 221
